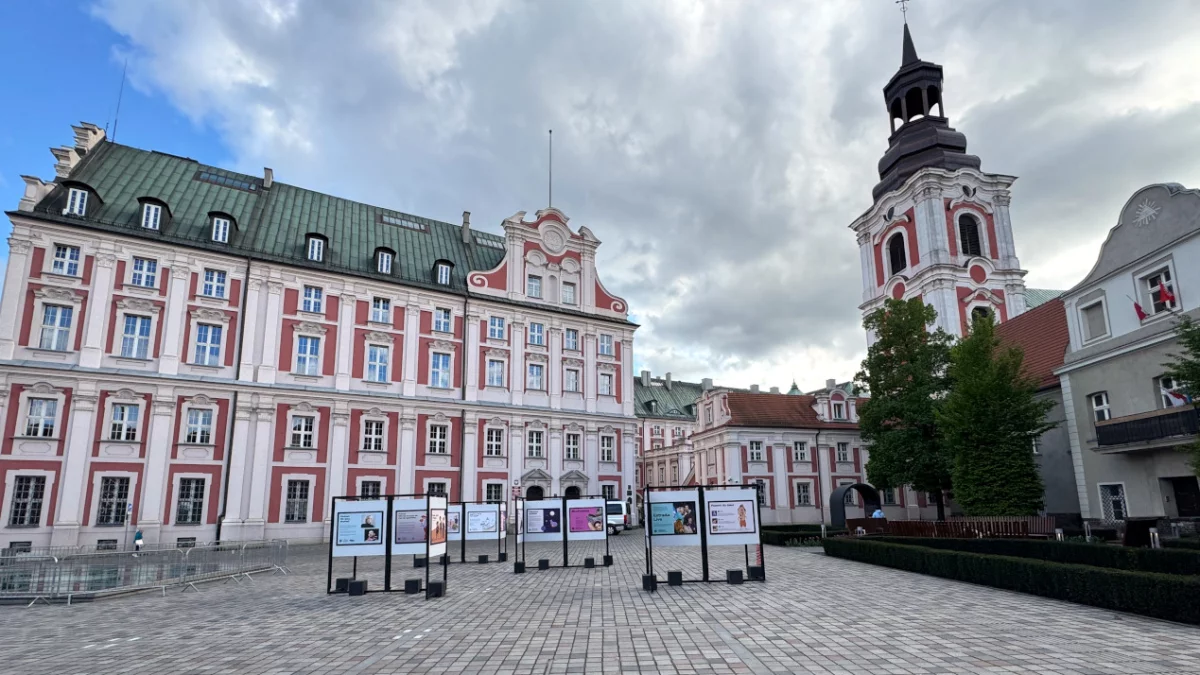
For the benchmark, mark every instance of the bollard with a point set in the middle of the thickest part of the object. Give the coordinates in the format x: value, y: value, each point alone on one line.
x: 733, y: 576
x: 675, y: 578
x: 412, y: 586
x: 341, y: 585
x: 483, y: 559
x: 1058, y: 534
x: 418, y: 562
x: 757, y: 573
x: 503, y: 556
x: 1154, y: 541
x: 358, y: 587
x: 1087, y: 531
x: 589, y: 563
x: 518, y: 567
x: 608, y: 561
x: 822, y: 530
x: 649, y: 582
x: 544, y: 564
x: 437, y: 589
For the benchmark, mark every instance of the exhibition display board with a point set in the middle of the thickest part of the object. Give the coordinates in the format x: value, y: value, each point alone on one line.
x: 358, y: 528
x: 561, y: 520
x: 454, y: 522
x: 482, y: 521
x: 543, y: 520
x: 586, y: 519
x: 703, y: 516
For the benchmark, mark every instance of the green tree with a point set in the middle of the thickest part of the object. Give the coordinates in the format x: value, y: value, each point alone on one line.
x: 905, y: 373
x: 988, y: 422
x: 1184, y: 368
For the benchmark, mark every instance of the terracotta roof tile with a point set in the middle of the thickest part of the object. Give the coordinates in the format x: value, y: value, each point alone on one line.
x: 784, y: 411
x: 1042, y: 334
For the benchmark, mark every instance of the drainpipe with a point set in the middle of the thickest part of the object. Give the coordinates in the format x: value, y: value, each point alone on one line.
x: 462, y: 427
x: 817, y: 449
x: 237, y: 355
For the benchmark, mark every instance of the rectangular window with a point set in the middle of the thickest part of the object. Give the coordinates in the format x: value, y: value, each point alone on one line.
x: 189, y: 507
x: 377, y: 363
x: 1169, y: 394
x: 385, y: 263
x: 537, y: 334
x: 25, y: 510
x: 572, y: 446
x: 571, y: 381
x: 496, y: 328
x: 308, y: 353
x: 675, y: 474
x: 678, y: 433
x: 76, y: 202
x: 145, y: 273
x: 533, y: 286
x: 443, y: 275
x: 1094, y: 325
x: 800, y: 451
x: 803, y: 494
x: 66, y: 260
x: 313, y: 299
x: 199, y: 426
x: 438, y: 433
x: 662, y: 476
x: 296, y: 510
x: 220, y: 230
x: 106, y: 544
x: 849, y: 498
x: 214, y: 283
x: 889, y: 496
x: 441, y: 320
x: 114, y: 500
x: 135, y: 340
x: 537, y: 379
x: 571, y: 340
x: 1112, y: 501
x: 495, y: 373
x: 1159, y: 291
x: 839, y: 411
x: 316, y: 249
x: 656, y: 430
x: 1100, y: 409
x: 606, y: 384
x: 568, y: 294
x: 302, y: 431
x: 608, y: 449
x: 609, y: 492
x: 373, y: 436
x: 440, y: 377
x: 494, y: 492
x: 370, y: 489
x: 208, y: 345
x: 533, y: 444
x: 708, y: 414
x: 436, y: 488
x: 843, y: 452
x: 56, y: 327
x: 606, y: 344
x: 124, y: 423
x: 494, y: 443
x: 756, y: 451
x: 151, y: 213
x: 381, y: 310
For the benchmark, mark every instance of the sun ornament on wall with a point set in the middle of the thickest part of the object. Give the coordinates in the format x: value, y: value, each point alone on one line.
x: 1146, y: 212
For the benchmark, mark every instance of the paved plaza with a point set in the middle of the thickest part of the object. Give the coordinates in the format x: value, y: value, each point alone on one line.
x: 815, y: 615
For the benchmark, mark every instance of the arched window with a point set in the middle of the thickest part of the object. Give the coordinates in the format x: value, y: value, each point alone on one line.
x: 534, y: 492
x: 968, y: 235
x: 572, y: 492
x: 896, y: 257
x: 980, y: 313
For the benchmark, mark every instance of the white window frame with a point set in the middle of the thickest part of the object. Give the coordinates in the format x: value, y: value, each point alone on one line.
x: 198, y: 427
x: 1100, y: 409
x: 60, y: 335
x: 437, y: 486
x: 609, y: 491
x: 537, y: 333
x: 316, y: 249
x: 810, y: 496
x: 843, y: 452
x: 381, y: 310
x: 1083, y: 324
x: 374, y: 435
x: 887, y: 497
x: 850, y: 498
x: 443, y: 274
x: 754, y: 452
x: 208, y: 352
x: 123, y: 422
x: 535, y: 443
x: 302, y: 431
x: 312, y: 300
x: 47, y: 417
x: 285, y: 497
x: 377, y: 369
x: 571, y: 340
x: 606, y: 345
x: 443, y: 320
x: 1161, y: 385
x: 137, y: 345
x: 145, y: 274
x: 568, y: 298
x: 123, y: 511
x: 177, y: 491
x: 384, y: 263
x: 376, y: 483
x: 572, y: 385
x: 441, y: 378
x: 151, y: 216
x: 839, y: 409
x: 220, y: 230
x: 437, y: 438
x: 535, y: 379
x: 572, y: 450
x: 533, y: 286
x: 605, y: 385
x: 495, y: 376
x: 799, y: 451
x: 10, y: 493
x: 608, y: 449
x: 493, y: 442
x: 77, y: 199
x: 214, y: 283
x: 487, y: 489
x: 66, y: 260
x: 496, y: 328
x: 308, y: 364
x: 1146, y: 292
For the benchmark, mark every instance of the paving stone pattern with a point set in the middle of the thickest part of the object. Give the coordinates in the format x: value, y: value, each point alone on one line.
x: 815, y: 615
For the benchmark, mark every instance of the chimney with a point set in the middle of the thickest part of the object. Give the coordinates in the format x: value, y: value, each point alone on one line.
x: 36, y: 190
x: 645, y: 378
x: 754, y: 389
x: 466, y: 228
x: 268, y: 177
x: 830, y: 384
x: 774, y: 390
x: 667, y: 382
x: 706, y: 384
x: 87, y: 135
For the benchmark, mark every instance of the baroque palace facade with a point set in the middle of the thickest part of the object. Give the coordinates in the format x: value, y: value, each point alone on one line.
x: 203, y: 354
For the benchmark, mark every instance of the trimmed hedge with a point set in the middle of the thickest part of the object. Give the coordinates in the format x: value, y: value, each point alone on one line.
x: 1095, y: 555
x: 779, y: 536
x: 1163, y: 596
x: 1184, y: 544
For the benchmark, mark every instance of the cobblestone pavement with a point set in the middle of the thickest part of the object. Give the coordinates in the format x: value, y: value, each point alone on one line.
x: 815, y: 615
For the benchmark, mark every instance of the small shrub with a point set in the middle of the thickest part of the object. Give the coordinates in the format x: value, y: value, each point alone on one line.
x: 1191, y: 544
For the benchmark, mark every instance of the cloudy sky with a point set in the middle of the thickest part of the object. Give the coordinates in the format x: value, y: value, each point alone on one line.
x: 718, y: 149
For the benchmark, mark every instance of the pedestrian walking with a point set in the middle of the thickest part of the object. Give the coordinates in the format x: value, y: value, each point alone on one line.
x: 138, y: 541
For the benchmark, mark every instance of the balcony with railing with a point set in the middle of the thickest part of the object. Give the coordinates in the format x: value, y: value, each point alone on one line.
x: 1144, y: 431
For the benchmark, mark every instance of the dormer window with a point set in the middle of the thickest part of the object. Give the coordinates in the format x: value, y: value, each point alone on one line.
x: 316, y: 248
x: 76, y: 202
x: 220, y: 229
x: 443, y: 273
x: 383, y: 261
x: 839, y: 411
x: 151, y: 216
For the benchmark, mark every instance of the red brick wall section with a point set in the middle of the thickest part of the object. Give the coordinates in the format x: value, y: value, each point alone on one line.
x: 37, y: 262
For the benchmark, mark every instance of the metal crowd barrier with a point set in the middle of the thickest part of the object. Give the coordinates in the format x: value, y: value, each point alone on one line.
x: 65, y: 573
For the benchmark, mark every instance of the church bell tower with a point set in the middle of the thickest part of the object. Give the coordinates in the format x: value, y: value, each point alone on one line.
x: 939, y: 228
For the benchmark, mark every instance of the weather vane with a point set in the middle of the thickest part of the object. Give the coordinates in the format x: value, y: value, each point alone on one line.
x: 904, y: 9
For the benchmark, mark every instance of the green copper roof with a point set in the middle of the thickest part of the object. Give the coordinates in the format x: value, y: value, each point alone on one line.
x: 670, y: 403
x: 269, y: 223
x: 1039, y: 296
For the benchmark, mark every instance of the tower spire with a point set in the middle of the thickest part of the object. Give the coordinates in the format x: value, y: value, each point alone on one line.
x: 910, y: 50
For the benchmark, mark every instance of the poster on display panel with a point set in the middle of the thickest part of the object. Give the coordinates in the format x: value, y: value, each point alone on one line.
x: 454, y: 522
x: 673, y: 517
x: 586, y: 519
x: 410, y: 526
x: 358, y: 527
x: 731, y: 517
x: 437, y: 526
x: 544, y: 520
x: 482, y: 521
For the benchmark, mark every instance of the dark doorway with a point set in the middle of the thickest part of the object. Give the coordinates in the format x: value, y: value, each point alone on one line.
x: 1187, y: 496
x: 572, y: 492
x: 534, y: 492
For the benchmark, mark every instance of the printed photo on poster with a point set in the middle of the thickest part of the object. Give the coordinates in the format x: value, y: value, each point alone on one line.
x: 452, y: 520
x: 520, y: 520
x: 667, y: 518
x: 409, y: 527
x: 358, y: 528
x: 544, y: 520
x: 731, y: 517
x: 586, y: 519
x: 481, y: 521
x: 437, y: 532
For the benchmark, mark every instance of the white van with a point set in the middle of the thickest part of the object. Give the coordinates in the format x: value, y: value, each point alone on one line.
x: 618, y: 517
